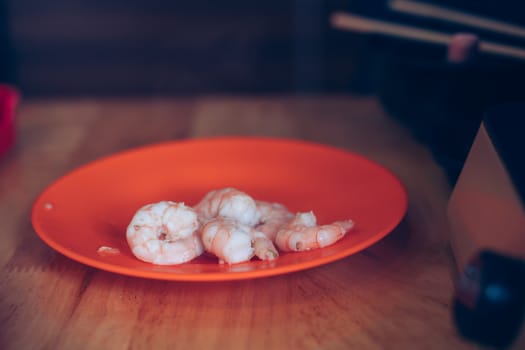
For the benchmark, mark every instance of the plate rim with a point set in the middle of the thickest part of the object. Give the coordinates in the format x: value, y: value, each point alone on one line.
x: 215, y: 276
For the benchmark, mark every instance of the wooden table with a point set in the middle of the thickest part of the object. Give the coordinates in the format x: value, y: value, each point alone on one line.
x: 394, y: 295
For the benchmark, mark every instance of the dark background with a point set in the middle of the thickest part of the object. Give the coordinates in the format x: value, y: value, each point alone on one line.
x: 107, y: 48
x: 159, y: 47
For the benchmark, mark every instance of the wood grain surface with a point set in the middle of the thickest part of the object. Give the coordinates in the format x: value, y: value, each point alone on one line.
x: 394, y: 295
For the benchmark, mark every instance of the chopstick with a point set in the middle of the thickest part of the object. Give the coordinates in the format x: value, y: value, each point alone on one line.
x: 361, y: 24
x: 455, y: 16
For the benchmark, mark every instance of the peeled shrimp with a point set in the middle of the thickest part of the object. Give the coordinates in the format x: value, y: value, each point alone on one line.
x: 228, y: 203
x: 303, y: 233
x: 272, y: 217
x: 228, y: 239
x: 164, y: 233
x: 263, y: 247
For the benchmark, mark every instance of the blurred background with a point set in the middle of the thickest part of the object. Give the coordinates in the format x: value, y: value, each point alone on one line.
x: 158, y: 47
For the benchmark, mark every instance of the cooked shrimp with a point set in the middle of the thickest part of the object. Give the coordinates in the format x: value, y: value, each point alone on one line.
x: 273, y: 217
x: 227, y: 239
x: 163, y: 233
x: 263, y: 247
x: 229, y: 203
x: 303, y: 233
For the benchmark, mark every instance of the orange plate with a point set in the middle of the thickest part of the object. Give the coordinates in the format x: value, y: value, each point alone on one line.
x: 92, y: 206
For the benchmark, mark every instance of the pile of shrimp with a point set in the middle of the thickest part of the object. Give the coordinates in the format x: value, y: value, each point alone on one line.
x: 228, y: 224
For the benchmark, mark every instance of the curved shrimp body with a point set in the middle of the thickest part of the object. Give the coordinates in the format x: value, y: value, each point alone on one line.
x: 227, y: 239
x: 303, y: 233
x: 272, y: 217
x: 163, y: 233
x: 263, y: 247
x: 228, y: 203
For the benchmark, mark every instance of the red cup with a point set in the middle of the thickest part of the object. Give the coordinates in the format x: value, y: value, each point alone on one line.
x: 9, y: 98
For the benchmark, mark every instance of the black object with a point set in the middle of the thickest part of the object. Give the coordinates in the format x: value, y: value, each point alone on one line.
x: 489, y: 303
x: 505, y: 124
x: 443, y: 103
x: 489, y: 299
